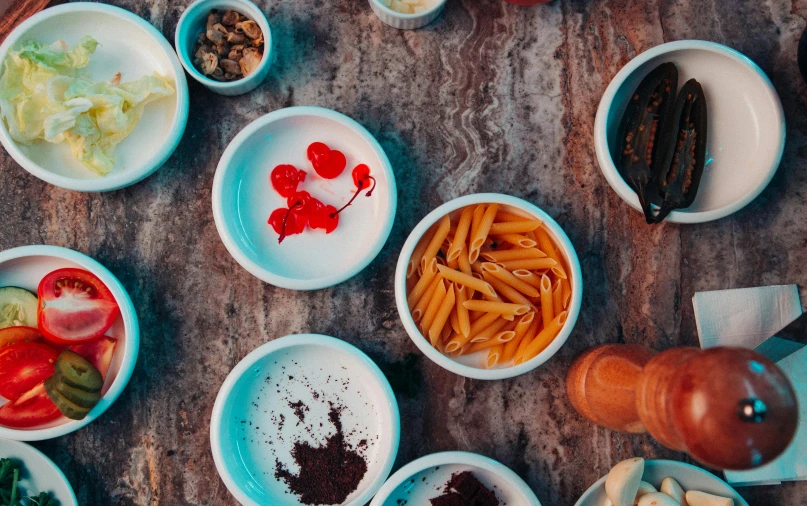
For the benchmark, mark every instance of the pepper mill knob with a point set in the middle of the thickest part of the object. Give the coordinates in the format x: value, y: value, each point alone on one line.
x: 729, y: 408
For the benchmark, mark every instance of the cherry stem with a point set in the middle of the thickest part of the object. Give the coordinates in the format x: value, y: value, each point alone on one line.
x: 299, y: 203
x: 361, y: 186
x: 370, y: 192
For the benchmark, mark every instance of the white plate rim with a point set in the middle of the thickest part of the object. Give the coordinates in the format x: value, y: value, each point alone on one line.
x: 293, y: 340
x: 283, y: 281
x: 663, y: 462
x: 26, y: 448
x: 128, y: 177
x: 130, y: 324
x: 446, y: 362
x: 458, y: 458
x: 603, y: 152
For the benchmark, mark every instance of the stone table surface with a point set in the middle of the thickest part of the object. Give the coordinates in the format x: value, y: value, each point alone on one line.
x: 491, y: 97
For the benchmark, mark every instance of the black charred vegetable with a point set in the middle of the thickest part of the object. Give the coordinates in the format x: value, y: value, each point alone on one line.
x: 680, y: 176
x: 644, y: 133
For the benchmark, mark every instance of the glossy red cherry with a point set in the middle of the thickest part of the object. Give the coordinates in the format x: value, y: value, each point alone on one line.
x: 362, y: 178
x: 285, y: 179
x: 286, y: 222
x: 306, y: 205
x: 325, y: 218
x: 327, y: 162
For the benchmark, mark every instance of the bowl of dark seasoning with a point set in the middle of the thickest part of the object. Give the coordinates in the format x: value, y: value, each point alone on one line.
x: 305, y: 419
x: 225, y: 44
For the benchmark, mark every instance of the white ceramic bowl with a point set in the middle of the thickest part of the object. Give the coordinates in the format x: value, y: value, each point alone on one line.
x: 426, y: 477
x: 746, y: 125
x: 192, y: 23
x: 687, y: 475
x: 25, y: 267
x: 472, y: 366
x: 406, y: 21
x: 40, y: 474
x: 315, y: 370
x: 131, y: 46
x: 243, y: 199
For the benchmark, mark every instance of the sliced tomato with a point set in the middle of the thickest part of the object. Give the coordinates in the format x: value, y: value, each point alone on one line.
x: 32, y: 408
x: 23, y: 365
x: 74, y: 306
x: 98, y: 352
x: 12, y: 335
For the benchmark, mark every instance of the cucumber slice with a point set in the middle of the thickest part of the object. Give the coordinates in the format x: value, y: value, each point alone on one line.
x: 69, y: 409
x: 17, y: 307
x: 77, y: 396
x: 78, y: 372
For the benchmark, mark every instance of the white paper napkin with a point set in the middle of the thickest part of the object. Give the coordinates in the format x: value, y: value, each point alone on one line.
x: 745, y: 318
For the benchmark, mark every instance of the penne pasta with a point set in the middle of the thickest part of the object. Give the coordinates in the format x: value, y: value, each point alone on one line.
x: 453, y: 264
x: 453, y: 320
x: 527, y: 339
x: 457, y: 341
x: 417, y: 254
x: 506, y: 276
x: 522, y: 241
x: 502, y: 308
x: 559, y: 271
x: 420, y: 287
x: 476, y: 218
x: 436, y: 242
x: 484, y: 345
x: 545, y: 242
x: 447, y: 332
x: 443, y: 312
x: 529, y: 264
x: 506, y: 216
x: 466, y: 280
x: 557, y: 297
x: 528, y: 277
x: 433, y: 307
x: 463, y: 227
x: 507, y: 291
x: 463, y: 316
x: 420, y: 308
x: 567, y: 292
x: 520, y: 330
x: 545, y: 337
x: 513, y: 254
x: 489, y: 331
x: 493, y: 356
x: 481, y: 234
x: 514, y: 227
x: 464, y: 263
x: 547, y: 303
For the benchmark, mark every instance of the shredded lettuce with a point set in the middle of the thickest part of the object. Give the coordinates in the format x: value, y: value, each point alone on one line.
x: 46, y: 94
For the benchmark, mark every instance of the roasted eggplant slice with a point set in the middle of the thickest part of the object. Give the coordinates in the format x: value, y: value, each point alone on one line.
x: 681, y: 174
x: 645, y: 131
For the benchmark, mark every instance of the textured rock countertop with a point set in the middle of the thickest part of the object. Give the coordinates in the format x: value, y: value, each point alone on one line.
x: 491, y: 97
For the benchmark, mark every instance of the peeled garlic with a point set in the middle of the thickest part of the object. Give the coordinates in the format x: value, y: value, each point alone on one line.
x: 622, y: 482
x: 695, y: 498
x: 671, y: 487
x: 644, y: 489
x: 657, y: 499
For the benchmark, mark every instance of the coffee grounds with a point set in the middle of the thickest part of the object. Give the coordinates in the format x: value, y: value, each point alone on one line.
x: 329, y: 473
x: 463, y: 489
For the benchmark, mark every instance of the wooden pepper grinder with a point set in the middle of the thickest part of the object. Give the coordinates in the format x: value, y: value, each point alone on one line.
x: 730, y: 408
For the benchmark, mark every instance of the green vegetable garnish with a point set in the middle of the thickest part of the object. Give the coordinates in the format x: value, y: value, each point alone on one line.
x: 45, y: 94
x: 10, y: 492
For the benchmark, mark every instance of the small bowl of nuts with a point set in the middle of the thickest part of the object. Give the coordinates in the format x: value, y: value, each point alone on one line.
x: 407, y: 14
x: 225, y: 44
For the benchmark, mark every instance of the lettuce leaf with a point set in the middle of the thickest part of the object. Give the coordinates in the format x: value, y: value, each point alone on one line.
x: 46, y: 94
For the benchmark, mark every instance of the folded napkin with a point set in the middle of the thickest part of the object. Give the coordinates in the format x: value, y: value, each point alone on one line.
x: 746, y: 318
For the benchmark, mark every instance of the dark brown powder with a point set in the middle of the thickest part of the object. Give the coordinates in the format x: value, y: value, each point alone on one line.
x: 328, y: 473
x: 463, y: 489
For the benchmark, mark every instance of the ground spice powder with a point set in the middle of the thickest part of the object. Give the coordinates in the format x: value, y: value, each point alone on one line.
x: 328, y: 473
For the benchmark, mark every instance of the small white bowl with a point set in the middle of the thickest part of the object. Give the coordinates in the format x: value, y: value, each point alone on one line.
x: 471, y: 366
x: 746, y: 125
x: 131, y: 46
x: 687, y: 475
x: 39, y: 473
x: 243, y: 199
x: 426, y: 477
x: 193, y: 22
x: 406, y: 21
x: 253, y: 422
x: 25, y: 267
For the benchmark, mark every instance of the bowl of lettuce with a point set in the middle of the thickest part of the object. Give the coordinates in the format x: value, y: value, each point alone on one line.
x: 92, y: 97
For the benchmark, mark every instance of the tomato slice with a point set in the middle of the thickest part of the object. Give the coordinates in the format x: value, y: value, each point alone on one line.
x: 74, y: 306
x: 98, y: 352
x: 32, y: 408
x: 12, y: 335
x: 23, y: 365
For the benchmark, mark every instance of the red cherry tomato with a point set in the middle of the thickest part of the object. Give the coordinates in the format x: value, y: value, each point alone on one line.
x: 327, y: 162
x: 325, y: 218
x: 74, y: 306
x: 11, y: 335
x: 98, y: 352
x: 32, y: 408
x: 23, y: 366
x: 286, y: 178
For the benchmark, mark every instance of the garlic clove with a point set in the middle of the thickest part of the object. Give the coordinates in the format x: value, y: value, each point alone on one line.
x: 622, y: 482
x: 697, y: 498
x: 644, y: 489
x: 671, y: 487
x: 657, y: 499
